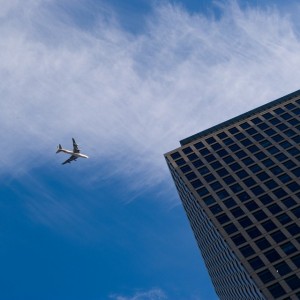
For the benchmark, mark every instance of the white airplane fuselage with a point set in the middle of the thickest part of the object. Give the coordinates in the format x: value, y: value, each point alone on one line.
x: 73, y: 153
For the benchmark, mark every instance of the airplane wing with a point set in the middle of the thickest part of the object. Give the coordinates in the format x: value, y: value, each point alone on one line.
x: 75, y: 147
x: 71, y: 158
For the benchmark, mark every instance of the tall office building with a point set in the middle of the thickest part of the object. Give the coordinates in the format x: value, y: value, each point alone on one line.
x: 239, y: 185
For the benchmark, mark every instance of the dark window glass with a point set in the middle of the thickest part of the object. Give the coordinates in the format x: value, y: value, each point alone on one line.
x: 245, y: 222
x: 243, y: 196
x: 274, y: 208
x: 268, y: 225
x: 268, y: 162
x: 228, y: 159
x: 290, y: 132
x: 258, y: 137
x: 262, y: 243
x: 284, y: 218
x: 293, y: 186
x: 274, y: 121
x: 237, y: 212
x: 260, y: 215
x: 222, y: 172
x: 288, y: 248
x: 293, y: 122
x: 199, y: 145
x: 296, y: 260
x: 279, y: 110
x: 253, y: 148
x: 240, y: 154
x: 263, y: 176
x: 229, y: 203
x: 202, y: 192
x: 222, y: 135
x: 216, y: 146
x: 247, y: 250
x: 185, y: 169
x: 257, y: 190
x: 175, y: 155
x: 265, y: 143
x: 248, y: 161
x: 296, y: 139
x: 293, y: 282
x: 190, y: 176
x: 187, y: 150
x: 216, y: 185
x: 210, y: 140
x: 204, y: 151
x: 285, y: 144
x: 293, y: 229
x: 260, y: 155
x: 180, y: 162
x: 289, y: 202
x: 198, y: 163
x: 266, y: 276
x: 281, y: 157
x: 272, y: 255
x: 240, y: 136
x: 235, y: 167
x: 229, y: 179
x: 209, y: 200
x: 265, y: 199
x: 245, y: 125
x: 270, y: 131
x: 251, y: 205
x: 238, y: 239
x: 276, y: 290
x: 255, y: 168
x: 246, y: 142
x: 203, y: 170
x: 282, y: 268
x: 289, y: 164
x: 277, y: 138
x: 197, y: 183
x: 296, y: 111
x: 253, y: 232
x: 242, y: 174
x: 233, y: 130
x: 216, y: 165
x: 236, y: 188
x: 280, y: 193
x: 192, y: 156
x: 222, y: 153
x: 284, y: 178
x: 223, y: 218
x: 251, y: 131
x: 256, y: 120
x: 276, y: 170
x: 228, y: 141
x: 267, y: 115
x: 209, y: 177
x: 215, y: 208
x: 278, y: 236
x: 290, y: 106
x: 249, y: 182
x: 210, y: 158
x: 234, y: 147
x: 263, y: 126
x: 230, y: 228
x: 256, y: 263
x: 222, y: 194
x: 296, y: 172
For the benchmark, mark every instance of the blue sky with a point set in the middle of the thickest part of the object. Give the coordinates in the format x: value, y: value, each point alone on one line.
x: 128, y: 80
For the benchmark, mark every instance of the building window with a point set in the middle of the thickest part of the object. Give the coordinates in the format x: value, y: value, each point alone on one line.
x: 284, y: 218
x: 272, y: 255
x: 263, y: 176
x: 199, y: 145
x: 249, y: 182
x: 247, y: 250
x: 222, y: 194
x: 256, y: 263
x: 175, y: 155
x: 191, y: 176
x: 293, y: 186
x: 282, y: 268
x: 253, y: 232
x: 268, y: 225
x: 216, y: 165
x: 276, y: 290
x: 293, y: 229
x: 284, y: 178
x: 296, y: 260
x: 242, y: 174
x: 274, y: 208
x: 187, y: 150
x: 192, y: 156
x: 260, y: 215
x: 230, y: 228
x: 229, y: 179
x: 266, y: 276
x: 278, y: 236
x: 262, y: 244
x: 265, y: 199
x: 289, y: 202
x: 257, y: 190
x: 202, y: 192
x: 238, y: 239
x: 288, y: 248
x: 251, y: 205
x: 223, y: 218
x: 293, y: 282
x: 196, y: 184
x: 237, y: 212
x: 229, y: 203
x: 209, y: 178
x: 215, y: 208
x: 243, y: 196
x: 185, y: 169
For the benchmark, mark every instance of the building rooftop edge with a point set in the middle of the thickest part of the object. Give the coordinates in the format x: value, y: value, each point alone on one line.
x: 238, y: 118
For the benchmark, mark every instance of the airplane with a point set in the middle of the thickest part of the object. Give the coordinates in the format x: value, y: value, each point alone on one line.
x: 74, y: 154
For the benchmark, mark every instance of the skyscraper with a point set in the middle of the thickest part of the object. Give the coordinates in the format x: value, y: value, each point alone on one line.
x: 239, y: 185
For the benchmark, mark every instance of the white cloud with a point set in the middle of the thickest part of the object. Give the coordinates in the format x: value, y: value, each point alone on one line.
x: 130, y: 98
x: 153, y: 294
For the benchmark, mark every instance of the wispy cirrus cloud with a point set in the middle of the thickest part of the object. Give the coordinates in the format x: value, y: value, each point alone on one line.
x: 131, y: 97
x: 153, y: 294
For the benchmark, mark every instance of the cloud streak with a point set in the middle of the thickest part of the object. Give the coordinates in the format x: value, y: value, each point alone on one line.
x: 130, y: 98
x: 153, y: 294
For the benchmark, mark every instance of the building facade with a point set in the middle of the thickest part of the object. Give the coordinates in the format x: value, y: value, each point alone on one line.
x: 239, y: 185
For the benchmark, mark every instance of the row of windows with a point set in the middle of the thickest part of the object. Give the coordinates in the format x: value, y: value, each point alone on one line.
x: 277, y: 290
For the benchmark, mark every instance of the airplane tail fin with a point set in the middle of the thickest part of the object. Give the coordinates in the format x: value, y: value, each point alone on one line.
x: 59, y: 147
